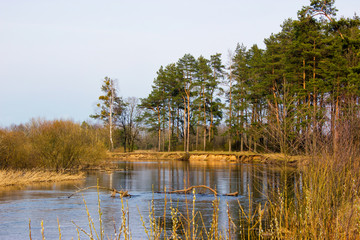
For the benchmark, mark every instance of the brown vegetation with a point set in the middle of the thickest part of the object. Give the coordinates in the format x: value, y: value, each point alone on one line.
x: 57, y: 144
x: 326, y: 200
x: 24, y: 177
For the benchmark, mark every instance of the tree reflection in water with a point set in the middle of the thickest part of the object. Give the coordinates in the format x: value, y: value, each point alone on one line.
x: 142, y: 180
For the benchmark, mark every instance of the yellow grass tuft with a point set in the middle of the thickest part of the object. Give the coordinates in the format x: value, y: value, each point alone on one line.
x: 22, y: 177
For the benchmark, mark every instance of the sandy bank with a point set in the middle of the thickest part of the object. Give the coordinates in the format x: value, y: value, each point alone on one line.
x: 205, y: 156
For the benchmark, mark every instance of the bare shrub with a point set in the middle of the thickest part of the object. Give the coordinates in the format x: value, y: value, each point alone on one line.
x: 15, y: 150
x: 63, y: 144
x: 326, y: 200
x: 57, y: 144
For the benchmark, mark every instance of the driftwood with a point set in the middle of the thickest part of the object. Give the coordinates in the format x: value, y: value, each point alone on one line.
x: 192, y: 187
x: 113, y: 191
x: 181, y: 191
x: 234, y: 194
x: 186, y: 190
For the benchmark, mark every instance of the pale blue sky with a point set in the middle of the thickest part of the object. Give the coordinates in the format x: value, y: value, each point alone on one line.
x: 54, y: 54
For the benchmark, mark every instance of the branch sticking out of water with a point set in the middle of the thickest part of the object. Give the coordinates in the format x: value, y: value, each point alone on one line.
x: 186, y: 190
x: 113, y: 191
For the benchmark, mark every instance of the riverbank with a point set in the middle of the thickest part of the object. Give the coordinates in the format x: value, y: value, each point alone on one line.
x: 24, y: 177
x: 244, y: 157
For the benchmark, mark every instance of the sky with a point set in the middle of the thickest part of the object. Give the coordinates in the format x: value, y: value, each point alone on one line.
x: 54, y: 54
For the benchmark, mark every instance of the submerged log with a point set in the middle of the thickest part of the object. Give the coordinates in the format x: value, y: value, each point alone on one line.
x: 186, y: 190
x: 234, y: 194
x: 192, y: 187
x: 181, y: 191
x: 113, y: 191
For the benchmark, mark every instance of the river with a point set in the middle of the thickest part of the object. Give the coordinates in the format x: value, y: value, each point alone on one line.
x: 145, y: 181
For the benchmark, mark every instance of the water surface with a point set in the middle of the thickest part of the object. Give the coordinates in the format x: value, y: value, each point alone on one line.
x: 145, y: 181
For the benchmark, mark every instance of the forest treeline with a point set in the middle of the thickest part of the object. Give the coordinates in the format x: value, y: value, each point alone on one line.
x: 289, y: 97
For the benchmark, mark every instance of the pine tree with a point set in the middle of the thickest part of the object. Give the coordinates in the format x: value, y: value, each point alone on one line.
x: 214, y: 90
x: 240, y: 72
x: 203, y: 77
x: 155, y: 103
x: 187, y: 67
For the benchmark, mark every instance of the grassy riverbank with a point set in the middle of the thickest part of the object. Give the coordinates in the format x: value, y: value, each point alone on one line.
x: 25, y: 177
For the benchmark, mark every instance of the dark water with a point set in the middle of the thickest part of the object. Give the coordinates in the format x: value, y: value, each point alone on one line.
x: 50, y: 202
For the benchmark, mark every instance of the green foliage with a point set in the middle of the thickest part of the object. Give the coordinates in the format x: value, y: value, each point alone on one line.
x: 184, y: 97
x: 288, y: 97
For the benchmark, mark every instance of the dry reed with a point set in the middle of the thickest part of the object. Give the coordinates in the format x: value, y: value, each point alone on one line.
x: 22, y: 177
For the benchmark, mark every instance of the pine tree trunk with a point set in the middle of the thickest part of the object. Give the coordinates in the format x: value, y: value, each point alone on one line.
x: 110, y: 115
x: 336, y: 131
x: 184, y: 138
x: 169, y: 146
x: 241, y: 123
x: 159, y: 130
x: 304, y: 127
x: 178, y: 124
x: 211, y: 120
x: 197, y: 135
x: 314, y: 121
x: 164, y: 133
x: 204, y: 103
x: 252, y: 138
x: 314, y: 107
x: 188, y: 122
x: 230, y: 107
x: 197, y: 128
x: 211, y: 130
x: 125, y: 137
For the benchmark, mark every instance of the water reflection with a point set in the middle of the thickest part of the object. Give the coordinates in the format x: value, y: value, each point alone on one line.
x: 143, y: 180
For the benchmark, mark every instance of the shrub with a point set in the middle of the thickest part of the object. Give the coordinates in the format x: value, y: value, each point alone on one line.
x: 64, y: 144
x: 57, y: 144
x: 15, y: 150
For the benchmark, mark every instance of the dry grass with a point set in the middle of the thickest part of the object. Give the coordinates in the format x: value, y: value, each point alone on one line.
x: 185, y: 223
x: 22, y: 177
x: 281, y: 158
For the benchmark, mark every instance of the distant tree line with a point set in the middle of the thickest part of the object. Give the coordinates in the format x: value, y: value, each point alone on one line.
x: 289, y: 97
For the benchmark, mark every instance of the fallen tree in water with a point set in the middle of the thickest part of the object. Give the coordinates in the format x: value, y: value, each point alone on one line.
x: 181, y: 191
x: 112, y: 190
x: 193, y: 187
x: 186, y: 190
